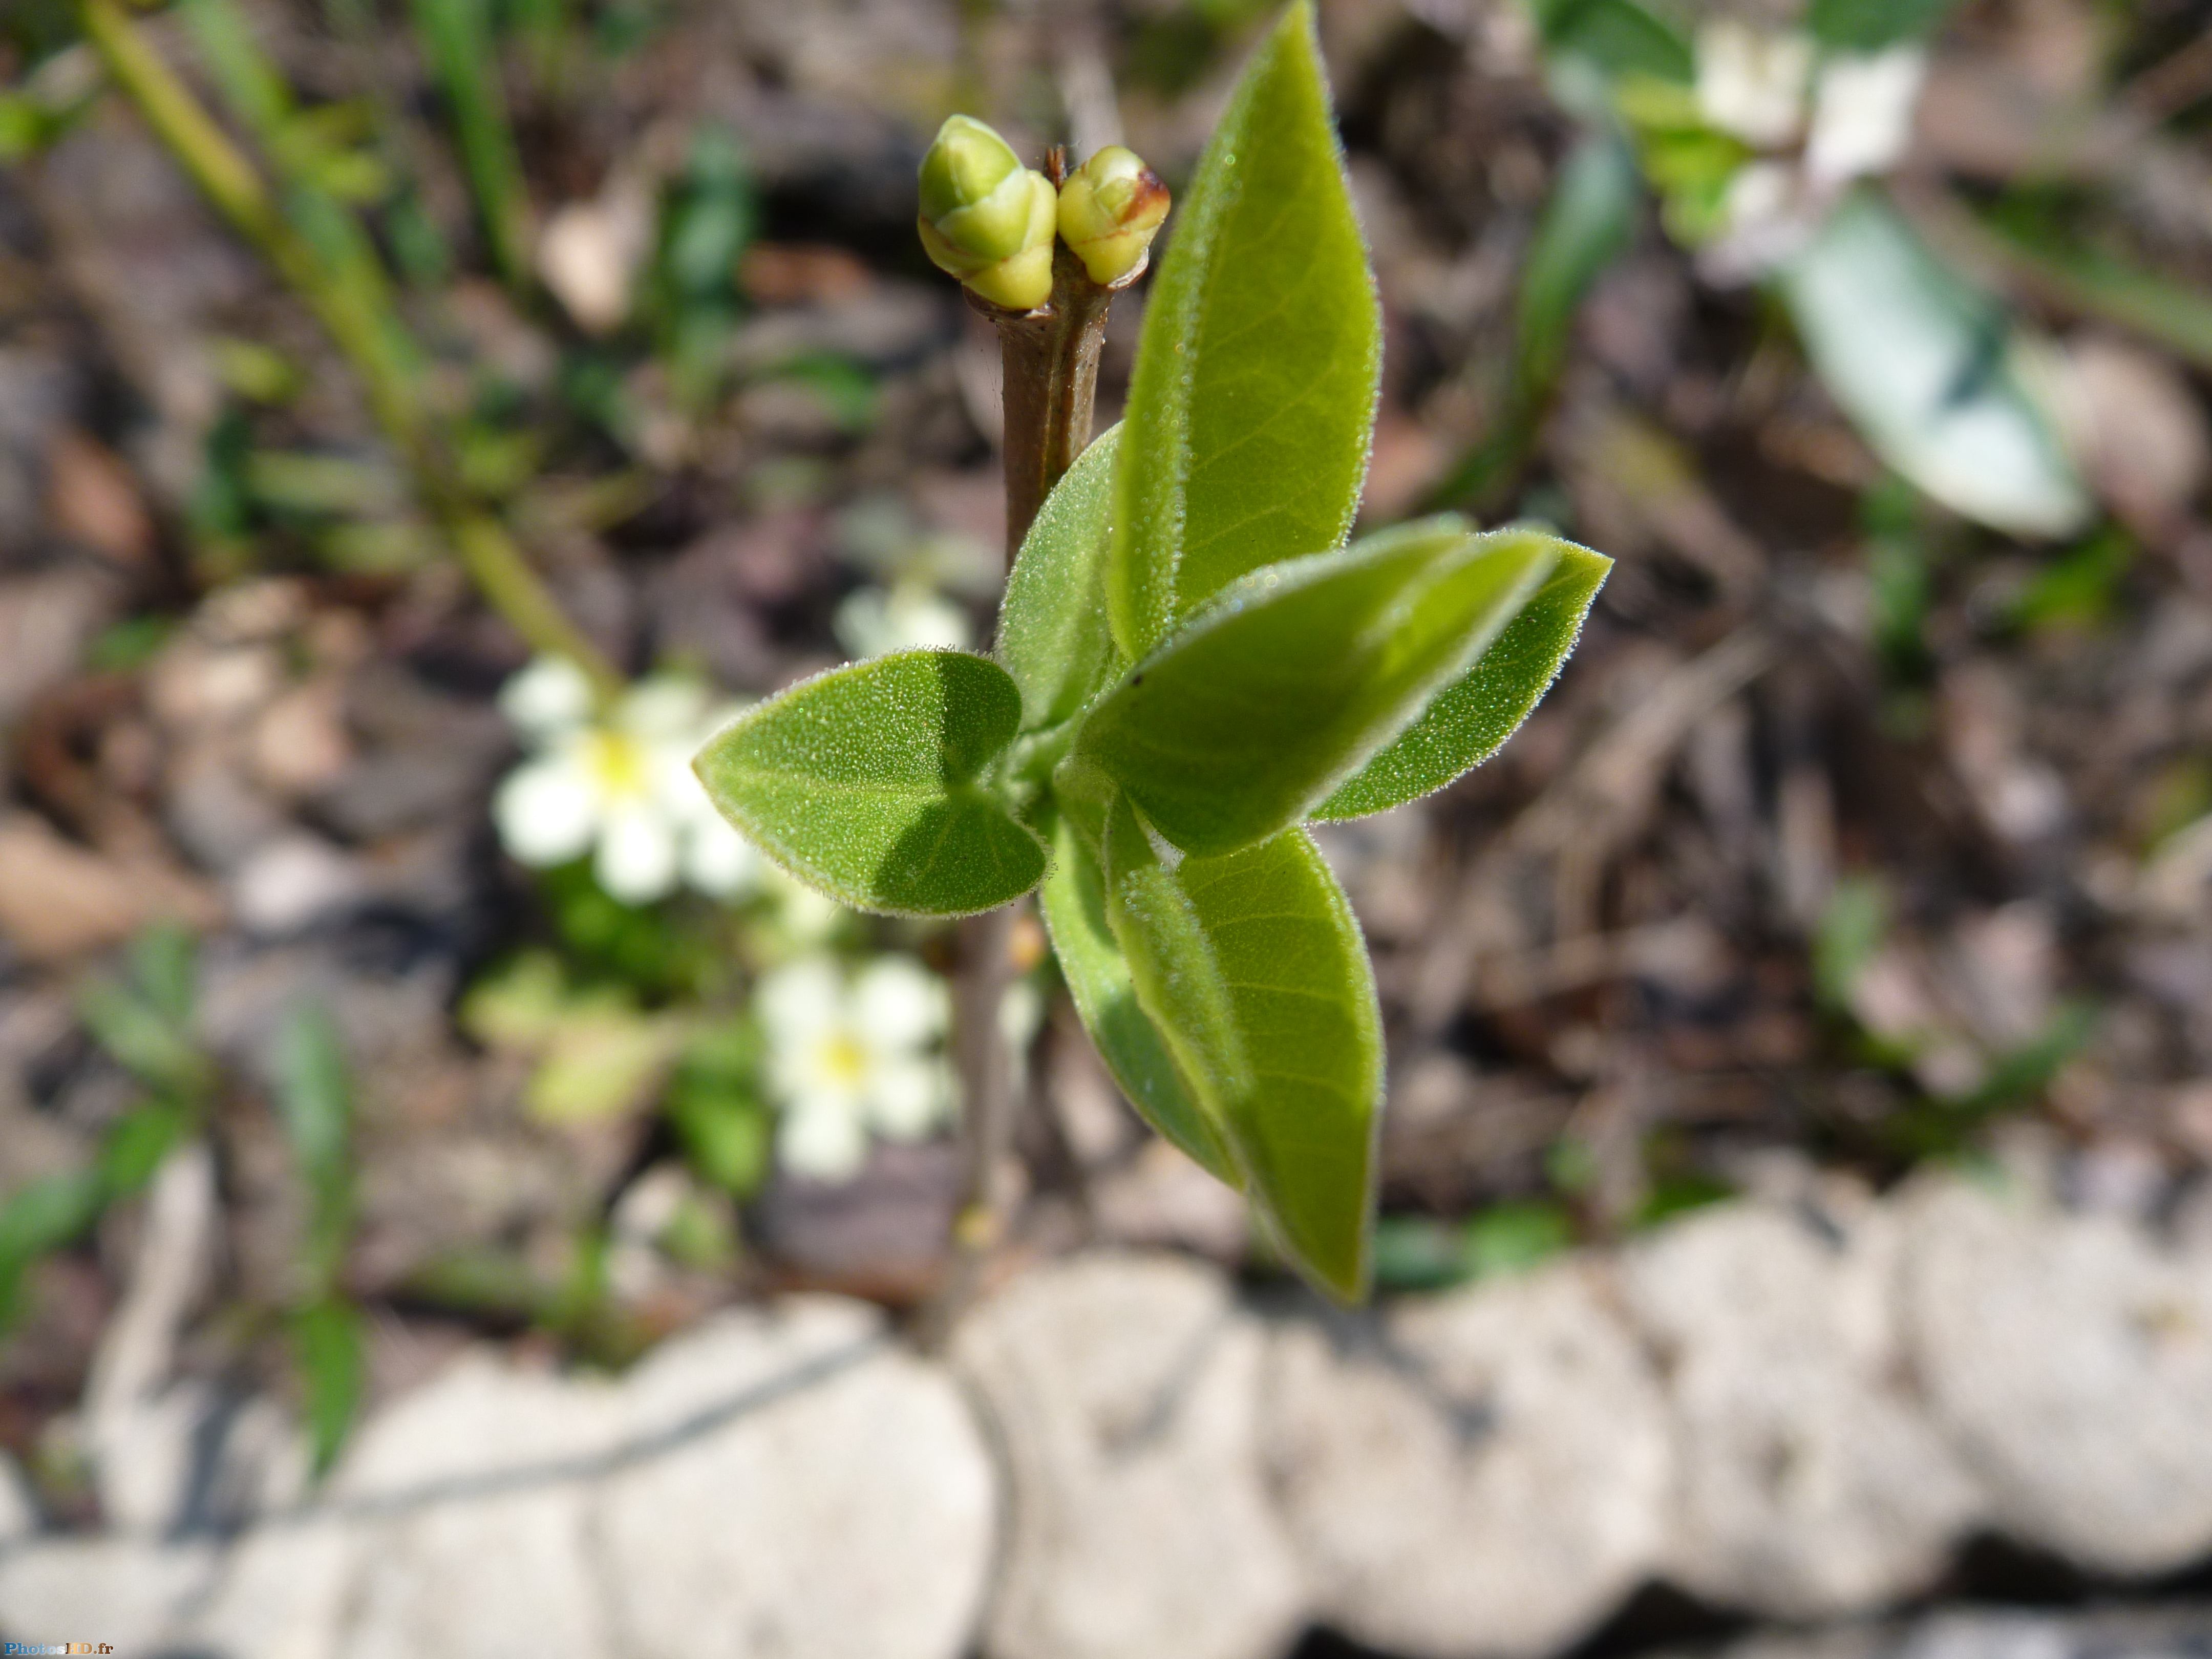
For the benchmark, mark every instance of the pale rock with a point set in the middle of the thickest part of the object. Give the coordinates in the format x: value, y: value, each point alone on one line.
x: 192, y: 1457
x: 1123, y: 1392
x: 128, y: 1592
x: 1484, y: 1473
x: 283, y: 1592
x: 287, y: 886
x: 792, y: 1484
x: 19, y: 1509
x: 474, y: 1500
x: 2069, y: 1358
x: 1811, y: 1481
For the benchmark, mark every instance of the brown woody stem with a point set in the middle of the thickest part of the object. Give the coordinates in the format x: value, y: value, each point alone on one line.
x: 1051, y: 383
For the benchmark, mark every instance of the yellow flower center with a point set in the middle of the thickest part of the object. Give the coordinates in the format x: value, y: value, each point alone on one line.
x: 843, y: 1061
x: 618, y: 763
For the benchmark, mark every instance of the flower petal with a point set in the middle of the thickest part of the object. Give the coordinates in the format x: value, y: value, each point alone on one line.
x: 907, y: 1097
x: 719, y: 862
x: 900, y: 1004
x: 546, y: 810
x: 822, y: 1139
x: 800, y: 1000
x: 549, y: 696
x: 637, y: 858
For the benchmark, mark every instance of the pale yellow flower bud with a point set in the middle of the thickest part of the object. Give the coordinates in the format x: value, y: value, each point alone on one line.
x: 985, y: 218
x: 1110, y: 208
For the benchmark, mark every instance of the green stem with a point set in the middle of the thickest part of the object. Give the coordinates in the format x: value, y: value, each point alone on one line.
x: 364, y: 331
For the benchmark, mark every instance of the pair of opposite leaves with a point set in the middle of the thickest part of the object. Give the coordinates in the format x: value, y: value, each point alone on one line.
x: 1174, y: 692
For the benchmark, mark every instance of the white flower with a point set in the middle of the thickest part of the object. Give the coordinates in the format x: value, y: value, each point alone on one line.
x: 1863, y: 114
x: 848, y: 1058
x: 618, y: 786
x: 873, y: 621
x: 1752, y: 83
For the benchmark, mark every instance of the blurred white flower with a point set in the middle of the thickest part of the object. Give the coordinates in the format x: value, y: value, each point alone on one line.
x: 1752, y: 82
x: 851, y: 1058
x: 873, y: 621
x: 1863, y: 114
x: 618, y: 785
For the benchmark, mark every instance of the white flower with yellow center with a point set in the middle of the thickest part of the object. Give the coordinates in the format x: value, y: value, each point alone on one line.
x: 848, y: 1058
x: 617, y: 784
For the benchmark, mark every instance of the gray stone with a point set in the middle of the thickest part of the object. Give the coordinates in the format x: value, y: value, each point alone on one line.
x: 2070, y: 1358
x: 1482, y: 1473
x: 473, y: 1495
x: 129, y: 1592
x: 19, y: 1509
x: 792, y: 1484
x: 283, y: 1593
x: 1123, y: 1392
x: 2171, y: 1631
x: 1812, y: 1482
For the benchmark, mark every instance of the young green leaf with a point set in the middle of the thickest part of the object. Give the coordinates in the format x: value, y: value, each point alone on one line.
x: 1254, y: 971
x: 1052, y: 637
x: 1926, y: 369
x: 1255, y: 382
x: 1620, y: 36
x: 1097, y: 974
x: 1261, y: 705
x: 864, y: 782
x: 326, y: 1344
x: 315, y: 1099
x: 1472, y: 716
x: 457, y: 39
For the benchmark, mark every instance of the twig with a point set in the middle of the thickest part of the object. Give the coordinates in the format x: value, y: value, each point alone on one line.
x: 366, y: 333
x: 1051, y: 383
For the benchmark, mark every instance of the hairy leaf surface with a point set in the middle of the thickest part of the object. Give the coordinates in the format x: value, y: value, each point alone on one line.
x: 1253, y: 970
x: 1053, y: 636
x: 1471, y: 718
x: 864, y: 781
x: 1254, y: 395
x: 1261, y: 705
x: 1097, y: 974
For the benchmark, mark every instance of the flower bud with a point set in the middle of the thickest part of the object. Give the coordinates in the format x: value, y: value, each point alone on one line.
x: 1110, y: 209
x: 985, y: 217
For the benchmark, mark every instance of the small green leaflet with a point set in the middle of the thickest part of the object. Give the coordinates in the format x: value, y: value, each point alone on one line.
x: 1254, y: 396
x: 1471, y: 718
x: 1052, y: 637
x: 1261, y: 705
x: 1926, y: 368
x: 1254, y: 971
x: 865, y: 782
x: 1097, y: 974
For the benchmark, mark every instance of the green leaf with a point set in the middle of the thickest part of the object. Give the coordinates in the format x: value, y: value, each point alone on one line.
x: 1620, y: 36
x: 43, y: 1216
x: 1872, y: 25
x: 1097, y: 974
x: 1254, y: 395
x: 1924, y: 366
x: 314, y: 1101
x: 1470, y: 718
x: 327, y: 1346
x: 865, y: 782
x: 1259, y: 706
x: 135, y: 1143
x: 1253, y: 970
x: 140, y: 1039
x: 456, y: 39
x: 1053, y: 636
